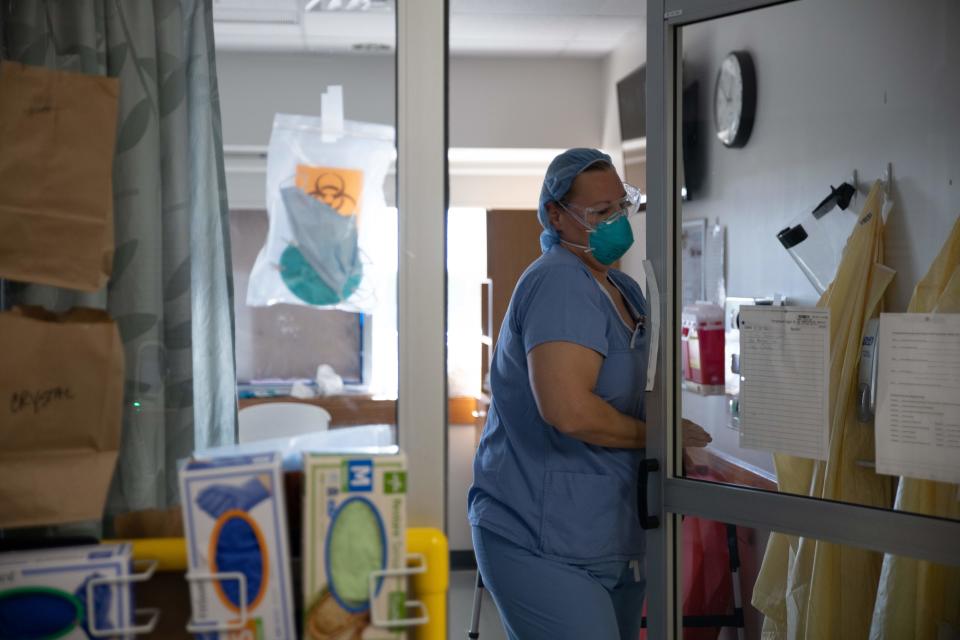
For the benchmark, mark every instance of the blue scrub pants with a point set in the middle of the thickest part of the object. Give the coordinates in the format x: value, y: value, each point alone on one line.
x: 542, y: 598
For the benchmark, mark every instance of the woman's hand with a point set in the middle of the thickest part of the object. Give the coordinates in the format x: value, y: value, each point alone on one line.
x: 694, y: 435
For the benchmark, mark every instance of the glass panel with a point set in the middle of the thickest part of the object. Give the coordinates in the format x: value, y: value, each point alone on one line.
x: 801, y: 137
x: 527, y: 80
x: 313, y: 226
x: 734, y: 582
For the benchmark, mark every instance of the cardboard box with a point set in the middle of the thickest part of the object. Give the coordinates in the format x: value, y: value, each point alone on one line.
x: 43, y: 593
x: 235, y: 521
x: 354, y: 522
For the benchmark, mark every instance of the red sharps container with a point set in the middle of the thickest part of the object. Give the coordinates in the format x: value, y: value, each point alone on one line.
x: 702, y: 341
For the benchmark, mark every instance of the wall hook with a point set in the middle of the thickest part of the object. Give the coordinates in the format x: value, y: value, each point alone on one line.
x: 838, y: 197
x: 887, y: 179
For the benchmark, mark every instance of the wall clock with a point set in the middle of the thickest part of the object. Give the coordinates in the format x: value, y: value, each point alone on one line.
x: 735, y: 99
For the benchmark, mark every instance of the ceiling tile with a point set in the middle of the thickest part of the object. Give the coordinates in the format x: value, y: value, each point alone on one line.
x: 501, y: 27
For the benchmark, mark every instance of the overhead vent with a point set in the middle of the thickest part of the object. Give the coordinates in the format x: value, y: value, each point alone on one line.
x: 262, y: 11
x: 348, y: 5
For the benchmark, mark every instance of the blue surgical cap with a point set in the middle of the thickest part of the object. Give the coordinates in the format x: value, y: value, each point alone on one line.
x: 560, y: 176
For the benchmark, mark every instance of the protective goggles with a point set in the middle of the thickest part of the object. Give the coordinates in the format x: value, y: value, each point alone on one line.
x: 592, y: 217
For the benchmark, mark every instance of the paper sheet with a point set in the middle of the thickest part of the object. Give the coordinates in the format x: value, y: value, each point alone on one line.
x: 694, y: 238
x: 714, y: 288
x: 918, y: 396
x: 785, y: 380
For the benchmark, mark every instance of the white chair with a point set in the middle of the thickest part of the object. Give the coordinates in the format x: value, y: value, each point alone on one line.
x: 281, y: 420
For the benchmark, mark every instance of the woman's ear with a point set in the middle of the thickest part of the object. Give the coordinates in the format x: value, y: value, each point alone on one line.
x: 554, y: 215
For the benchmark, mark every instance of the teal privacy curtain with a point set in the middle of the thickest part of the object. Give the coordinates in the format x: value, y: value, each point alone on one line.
x: 171, y: 292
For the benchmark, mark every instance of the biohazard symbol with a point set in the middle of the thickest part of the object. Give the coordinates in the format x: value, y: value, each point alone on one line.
x: 338, y: 188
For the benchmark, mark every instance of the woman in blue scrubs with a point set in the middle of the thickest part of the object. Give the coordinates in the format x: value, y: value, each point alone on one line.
x: 553, y: 502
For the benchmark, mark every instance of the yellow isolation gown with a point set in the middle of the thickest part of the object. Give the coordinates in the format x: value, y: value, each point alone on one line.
x: 918, y: 599
x: 809, y: 589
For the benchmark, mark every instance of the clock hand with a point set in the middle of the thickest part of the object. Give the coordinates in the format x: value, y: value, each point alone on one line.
x: 724, y: 92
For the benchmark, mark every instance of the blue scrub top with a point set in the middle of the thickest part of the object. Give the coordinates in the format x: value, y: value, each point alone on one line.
x: 533, y: 485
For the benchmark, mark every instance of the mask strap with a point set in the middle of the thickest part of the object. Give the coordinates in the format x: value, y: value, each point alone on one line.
x: 586, y: 248
x: 582, y: 223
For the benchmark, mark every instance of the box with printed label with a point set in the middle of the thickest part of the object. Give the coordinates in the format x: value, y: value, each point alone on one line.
x: 354, y: 524
x: 237, y: 547
x: 45, y: 594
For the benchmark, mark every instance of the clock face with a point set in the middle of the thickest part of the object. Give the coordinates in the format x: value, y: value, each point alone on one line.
x: 733, y: 100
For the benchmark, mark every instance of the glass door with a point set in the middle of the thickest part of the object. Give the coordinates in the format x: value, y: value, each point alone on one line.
x: 803, y: 228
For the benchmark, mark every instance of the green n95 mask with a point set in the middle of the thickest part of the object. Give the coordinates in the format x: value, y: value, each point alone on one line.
x: 608, y: 240
x: 321, y: 266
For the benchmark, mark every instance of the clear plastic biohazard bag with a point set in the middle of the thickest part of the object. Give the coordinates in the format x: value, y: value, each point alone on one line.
x: 325, y: 203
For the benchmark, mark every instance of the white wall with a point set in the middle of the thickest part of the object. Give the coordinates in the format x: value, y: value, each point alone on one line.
x: 255, y: 85
x: 525, y: 102
x: 842, y: 86
x: 876, y: 82
x: 494, y: 102
x: 630, y: 53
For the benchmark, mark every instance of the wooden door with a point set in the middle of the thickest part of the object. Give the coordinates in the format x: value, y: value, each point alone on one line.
x: 513, y: 242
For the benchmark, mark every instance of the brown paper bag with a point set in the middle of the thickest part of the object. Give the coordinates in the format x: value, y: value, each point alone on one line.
x: 61, y: 404
x: 57, y: 135
x: 149, y: 523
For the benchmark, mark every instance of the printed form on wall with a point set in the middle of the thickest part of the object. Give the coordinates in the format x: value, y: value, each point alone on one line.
x: 918, y: 396
x: 785, y: 380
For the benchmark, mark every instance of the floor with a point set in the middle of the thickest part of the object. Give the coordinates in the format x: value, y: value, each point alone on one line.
x: 461, y: 607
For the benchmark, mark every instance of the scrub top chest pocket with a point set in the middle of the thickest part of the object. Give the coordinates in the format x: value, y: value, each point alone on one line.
x: 623, y: 375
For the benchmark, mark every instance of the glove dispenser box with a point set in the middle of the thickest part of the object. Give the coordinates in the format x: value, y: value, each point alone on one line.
x: 238, y: 554
x: 72, y: 593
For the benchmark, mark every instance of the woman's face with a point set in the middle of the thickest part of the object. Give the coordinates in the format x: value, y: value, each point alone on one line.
x: 593, y: 189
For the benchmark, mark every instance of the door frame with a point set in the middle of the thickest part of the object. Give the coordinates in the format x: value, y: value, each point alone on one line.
x: 422, y: 198
x: 669, y: 494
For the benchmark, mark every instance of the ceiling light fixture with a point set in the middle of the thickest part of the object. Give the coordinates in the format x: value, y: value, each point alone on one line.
x: 340, y: 5
x: 257, y: 11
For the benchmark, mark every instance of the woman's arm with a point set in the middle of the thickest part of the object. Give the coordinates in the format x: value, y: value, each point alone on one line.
x: 563, y: 376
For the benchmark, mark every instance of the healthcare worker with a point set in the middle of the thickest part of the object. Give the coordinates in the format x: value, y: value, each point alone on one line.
x: 553, y: 506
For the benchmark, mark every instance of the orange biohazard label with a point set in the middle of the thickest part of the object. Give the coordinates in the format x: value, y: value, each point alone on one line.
x: 339, y: 188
